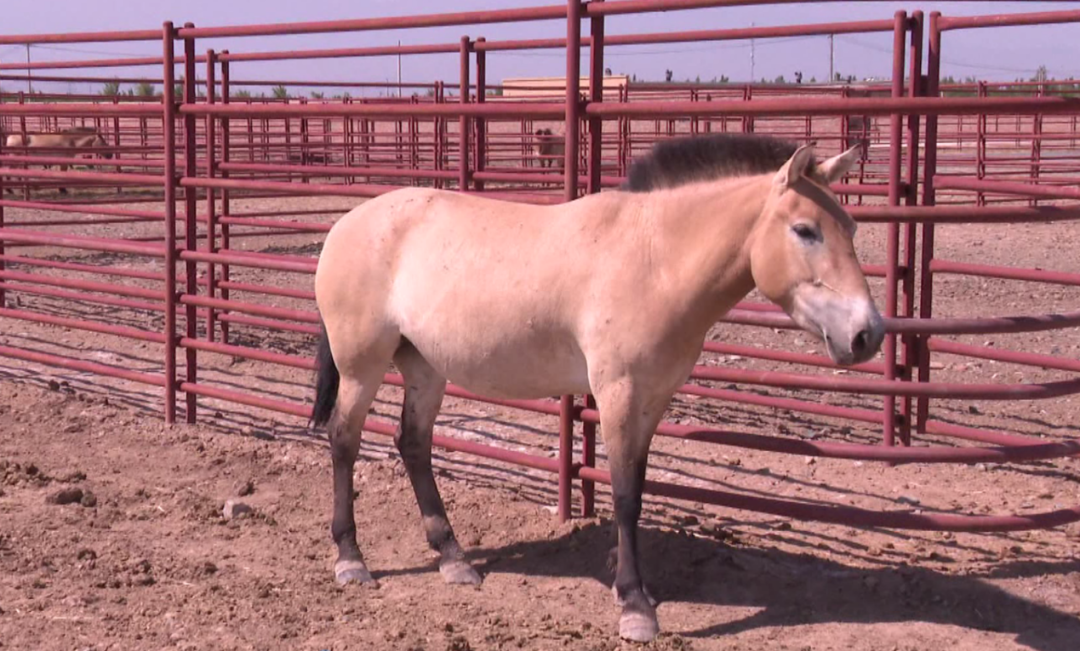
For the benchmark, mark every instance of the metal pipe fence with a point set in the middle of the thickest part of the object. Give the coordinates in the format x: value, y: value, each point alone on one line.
x: 932, y: 154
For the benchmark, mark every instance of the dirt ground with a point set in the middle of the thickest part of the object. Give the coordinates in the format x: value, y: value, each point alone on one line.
x: 144, y: 559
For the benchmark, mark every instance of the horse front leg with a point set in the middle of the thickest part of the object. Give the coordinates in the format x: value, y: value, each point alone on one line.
x: 63, y: 168
x: 628, y: 421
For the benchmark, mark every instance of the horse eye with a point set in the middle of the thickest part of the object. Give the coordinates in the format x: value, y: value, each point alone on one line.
x: 805, y: 232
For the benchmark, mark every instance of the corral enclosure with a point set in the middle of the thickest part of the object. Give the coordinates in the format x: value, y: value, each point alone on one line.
x: 173, y: 282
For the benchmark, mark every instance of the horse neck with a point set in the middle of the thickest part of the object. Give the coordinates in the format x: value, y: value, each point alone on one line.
x: 714, y: 222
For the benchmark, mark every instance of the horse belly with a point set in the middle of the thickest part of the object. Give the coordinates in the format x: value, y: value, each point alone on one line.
x: 520, y: 368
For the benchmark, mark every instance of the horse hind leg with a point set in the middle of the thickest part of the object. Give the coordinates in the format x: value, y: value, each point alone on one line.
x: 354, y: 395
x: 424, y: 390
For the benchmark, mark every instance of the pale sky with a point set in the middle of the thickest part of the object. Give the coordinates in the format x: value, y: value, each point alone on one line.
x: 995, y: 54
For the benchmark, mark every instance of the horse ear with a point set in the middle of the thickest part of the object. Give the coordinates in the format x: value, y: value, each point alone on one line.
x: 795, y: 167
x: 836, y: 167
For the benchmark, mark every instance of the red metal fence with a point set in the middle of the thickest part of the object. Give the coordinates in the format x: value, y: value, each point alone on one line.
x: 932, y: 155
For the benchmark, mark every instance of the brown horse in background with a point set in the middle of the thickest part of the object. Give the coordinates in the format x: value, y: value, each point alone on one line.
x: 610, y: 295
x: 66, y: 141
x: 549, y: 148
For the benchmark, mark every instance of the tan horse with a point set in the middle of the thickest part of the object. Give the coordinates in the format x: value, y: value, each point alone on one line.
x: 611, y: 294
x: 549, y: 148
x: 64, y: 142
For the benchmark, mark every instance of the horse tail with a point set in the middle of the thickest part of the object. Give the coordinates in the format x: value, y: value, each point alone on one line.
x: 327, y: 380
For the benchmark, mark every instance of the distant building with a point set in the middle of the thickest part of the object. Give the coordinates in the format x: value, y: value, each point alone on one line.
x: 552, y: 86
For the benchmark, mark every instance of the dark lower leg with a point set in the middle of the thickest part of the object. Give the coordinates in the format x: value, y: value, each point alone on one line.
x: 638, y: 620
x: 344, y: 447
x: 415, y: 450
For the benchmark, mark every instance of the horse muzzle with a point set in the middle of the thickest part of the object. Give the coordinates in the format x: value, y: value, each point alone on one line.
x: 852, y: 328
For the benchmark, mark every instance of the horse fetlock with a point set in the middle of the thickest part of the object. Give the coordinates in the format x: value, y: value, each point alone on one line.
x: 622, y: 601
x: 348, y: 571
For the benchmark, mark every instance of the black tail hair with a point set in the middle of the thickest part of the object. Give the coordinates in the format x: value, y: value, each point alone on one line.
x: 326, y: 382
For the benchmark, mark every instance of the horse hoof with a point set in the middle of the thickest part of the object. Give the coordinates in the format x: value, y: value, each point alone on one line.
x: 459, y: 572
x: 638, y: 627
x: 347, y: 572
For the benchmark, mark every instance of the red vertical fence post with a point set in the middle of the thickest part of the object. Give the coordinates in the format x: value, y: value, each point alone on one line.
x: 910, y: 348
x: 169, y: 134
x: 481, y: 124
x: 211, y: 216
x: 191, y: 195
x: 437, y: 128
x: 22, y: 131
x: 570, y: 178
x: 3, y: 295
x: 225, y: 210
x: 463, y: 121
x: 980, y: 148
x: 893, y: 240
x: 926, y: 258
x: 1036, y: 144
x: 596, y: 143
x: 116, y: 143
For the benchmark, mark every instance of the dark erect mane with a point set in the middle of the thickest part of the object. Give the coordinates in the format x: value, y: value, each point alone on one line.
x: 680, y: 161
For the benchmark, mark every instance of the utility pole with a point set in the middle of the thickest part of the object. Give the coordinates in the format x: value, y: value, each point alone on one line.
x: 399, y: 69
x: 752, y: 52
x: 832, y: 58
x: 29, y: 84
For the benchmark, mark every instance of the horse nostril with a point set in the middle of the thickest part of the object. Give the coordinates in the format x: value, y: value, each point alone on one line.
x: 860, y: 343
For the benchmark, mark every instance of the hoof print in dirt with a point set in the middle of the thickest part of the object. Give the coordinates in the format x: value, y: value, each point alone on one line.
x: 458, y: 643
x: 244, y: 488
x: 66, y: 496
x: 235, y: 509
x: 73, y: 477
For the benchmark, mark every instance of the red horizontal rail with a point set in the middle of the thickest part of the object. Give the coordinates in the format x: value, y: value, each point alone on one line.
x: 269, y: 324
x: 81, y: 242
x: 83, y: 268
x: 1005, y: 187
x: 126, y: 178
x: 82, y: 109
x: 83, y: 297
x: 934, y: 454
x: 80, y: 209
x: 246, y: 352
x: 84, y: 37
x: 1006, y: 273
x: 753, y: 352
x: 1007, y: 20
x: 1012, y: 357
x: 812, y: 106
x: 82, y: 366
x: 83, y: 324
x: 258, y: 262
x: 871, y: 386
x: 852, y: 516
x: 86, y: 285
x: 303, y: 316
x: 963, y: 214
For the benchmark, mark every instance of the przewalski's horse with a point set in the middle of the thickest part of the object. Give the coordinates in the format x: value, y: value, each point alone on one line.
x: 611, y: 294
x: 549, y: 148
x: 65, y: 141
